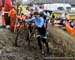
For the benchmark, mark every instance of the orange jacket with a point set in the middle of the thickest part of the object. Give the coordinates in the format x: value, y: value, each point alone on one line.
x: 12, y: 12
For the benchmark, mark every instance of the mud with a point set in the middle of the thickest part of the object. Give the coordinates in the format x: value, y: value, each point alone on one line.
x: 60, y: 42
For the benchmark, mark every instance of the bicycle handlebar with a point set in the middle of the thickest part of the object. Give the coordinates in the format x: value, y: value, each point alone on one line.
x: 29, y: 23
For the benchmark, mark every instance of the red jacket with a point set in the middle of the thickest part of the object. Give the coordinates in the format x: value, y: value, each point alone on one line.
x: 0, y: 3
x: 8, y: 5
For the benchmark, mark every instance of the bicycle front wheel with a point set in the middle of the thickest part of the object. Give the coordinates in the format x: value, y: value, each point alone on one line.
x: 21, y: 37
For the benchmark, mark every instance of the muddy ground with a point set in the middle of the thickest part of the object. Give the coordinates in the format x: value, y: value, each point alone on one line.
x: 60, y: 42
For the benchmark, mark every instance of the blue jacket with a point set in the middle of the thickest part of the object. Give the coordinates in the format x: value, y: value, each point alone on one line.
x: 38, y: 21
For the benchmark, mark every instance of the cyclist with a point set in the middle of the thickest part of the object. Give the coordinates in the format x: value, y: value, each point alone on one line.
x: 39, y: 22
x: 45, y: 14
x: 46, y: 17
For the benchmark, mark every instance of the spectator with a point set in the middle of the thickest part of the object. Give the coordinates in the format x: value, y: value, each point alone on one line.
x: 52, y: 20
x: 12, y: 14
x: 7, y: 8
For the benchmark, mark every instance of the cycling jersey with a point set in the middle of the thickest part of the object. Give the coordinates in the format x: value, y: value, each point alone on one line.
x: 38, y: 21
